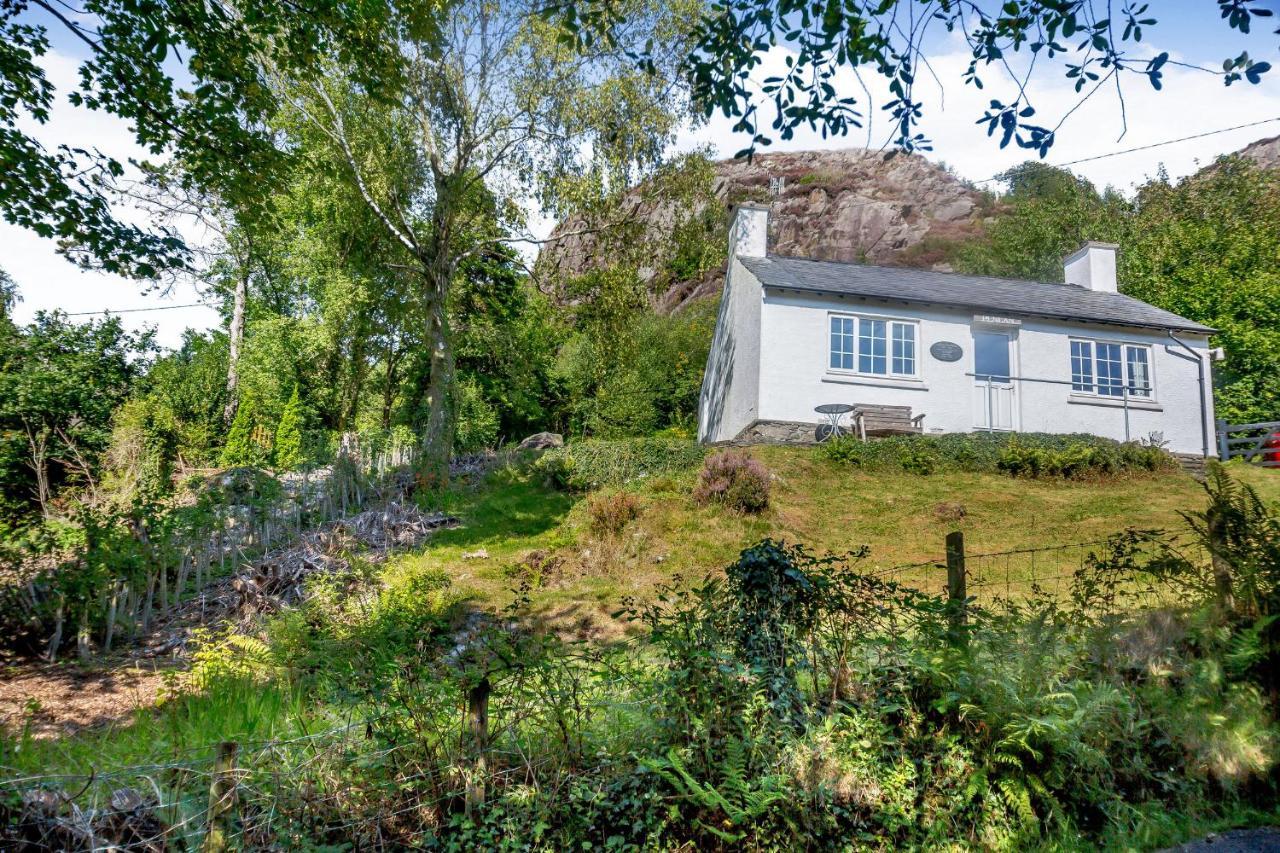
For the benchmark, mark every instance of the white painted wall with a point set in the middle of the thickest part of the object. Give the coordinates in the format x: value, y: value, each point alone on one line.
x: 793, y: 373
x: 729, y: 401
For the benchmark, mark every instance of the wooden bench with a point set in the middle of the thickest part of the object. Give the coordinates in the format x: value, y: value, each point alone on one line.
x: 885, y: 420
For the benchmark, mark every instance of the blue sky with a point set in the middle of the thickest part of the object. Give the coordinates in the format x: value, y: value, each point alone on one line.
x: 1192, y: 102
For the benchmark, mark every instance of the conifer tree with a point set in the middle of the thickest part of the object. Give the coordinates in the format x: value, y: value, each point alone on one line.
x: 288, y: 447
x: 241, y: 447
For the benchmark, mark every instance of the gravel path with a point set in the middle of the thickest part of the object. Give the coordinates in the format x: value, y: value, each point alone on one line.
x: 1262, y: 840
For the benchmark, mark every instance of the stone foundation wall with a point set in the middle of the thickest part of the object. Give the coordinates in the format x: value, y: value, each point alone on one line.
x: 775, y: 432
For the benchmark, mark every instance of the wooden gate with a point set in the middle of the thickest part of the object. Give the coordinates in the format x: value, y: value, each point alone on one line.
x: 1258, y: 444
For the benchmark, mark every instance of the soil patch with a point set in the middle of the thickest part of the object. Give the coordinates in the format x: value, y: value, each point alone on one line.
x: 60, y: 699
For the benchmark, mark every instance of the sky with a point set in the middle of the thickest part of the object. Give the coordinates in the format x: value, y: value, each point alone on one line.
x: 1192, y: 102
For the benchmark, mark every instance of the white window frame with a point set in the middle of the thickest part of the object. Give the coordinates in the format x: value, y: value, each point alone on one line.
x: 1125, y: 348
x: 889, y: 326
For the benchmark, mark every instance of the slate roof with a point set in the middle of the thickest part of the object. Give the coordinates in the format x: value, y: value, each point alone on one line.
x: 971, y: 292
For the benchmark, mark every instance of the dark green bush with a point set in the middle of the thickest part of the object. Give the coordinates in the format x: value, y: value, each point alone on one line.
x: 1021, y: 454
x: 593, y: 463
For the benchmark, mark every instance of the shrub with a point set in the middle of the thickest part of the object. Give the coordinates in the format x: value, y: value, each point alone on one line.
x: 247, y: 442
x: 1021, y: 454
x: 733, y: 478
x: 594, y: 464
x: 477, y: 425
x: 610, y: 512
x: 1079, y: 460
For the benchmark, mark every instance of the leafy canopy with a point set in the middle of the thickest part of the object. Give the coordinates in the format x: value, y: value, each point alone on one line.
x: 190, y: 78
x: 1093, y: 44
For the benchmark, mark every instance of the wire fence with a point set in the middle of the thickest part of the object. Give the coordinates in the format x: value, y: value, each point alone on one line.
x: 1051, y: 570
x: 387, y: 782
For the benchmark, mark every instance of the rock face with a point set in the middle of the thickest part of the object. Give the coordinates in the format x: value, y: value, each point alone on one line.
x: 851, y: 205
x: 1265, y: 152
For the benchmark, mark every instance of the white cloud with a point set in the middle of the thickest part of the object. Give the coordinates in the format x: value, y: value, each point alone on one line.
x: 46, y: 280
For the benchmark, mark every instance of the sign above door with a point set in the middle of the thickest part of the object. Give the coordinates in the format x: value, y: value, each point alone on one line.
x: 990, y: 320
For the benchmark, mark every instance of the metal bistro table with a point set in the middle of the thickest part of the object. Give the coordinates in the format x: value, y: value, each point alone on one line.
x: 832, y: 412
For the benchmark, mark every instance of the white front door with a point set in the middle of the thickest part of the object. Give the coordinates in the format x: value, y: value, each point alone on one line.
x: 995, y: 397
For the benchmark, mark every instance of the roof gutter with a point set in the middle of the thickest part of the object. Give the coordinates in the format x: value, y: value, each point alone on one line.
x: 1204, y: 415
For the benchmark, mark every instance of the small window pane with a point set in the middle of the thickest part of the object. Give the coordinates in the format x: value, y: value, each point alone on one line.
x: 1107, y: 364
x: 1082, y: 366
x: 904, y: 349
x: 1139, y: 372
x: 991, y: 356
x: 841, y: 343
x: 872, y: 356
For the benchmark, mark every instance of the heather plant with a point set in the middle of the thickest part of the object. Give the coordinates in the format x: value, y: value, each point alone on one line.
x: 608, y: 513
x: 734, y: 479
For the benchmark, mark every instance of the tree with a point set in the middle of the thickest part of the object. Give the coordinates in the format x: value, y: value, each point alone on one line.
x: 1207, y: 247
x: 289, y: 452
x: 499, y: 108
x: 1094, y: 45
x: 60, y: 382
x: 9, y: 295
x: 1047, y: 214
x: 188, y: 384
x: 245, y: 445
x: 216, y: 120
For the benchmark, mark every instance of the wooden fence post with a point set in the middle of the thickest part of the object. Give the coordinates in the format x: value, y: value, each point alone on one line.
x: 478, y: 729
x: 222, y: 797
x: 1224, y: 447
x: 956, y: 592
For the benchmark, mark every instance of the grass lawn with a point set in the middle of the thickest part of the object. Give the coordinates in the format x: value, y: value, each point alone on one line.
x: 516, y: 529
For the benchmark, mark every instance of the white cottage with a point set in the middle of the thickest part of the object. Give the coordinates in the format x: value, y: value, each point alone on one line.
x: 965, y: 352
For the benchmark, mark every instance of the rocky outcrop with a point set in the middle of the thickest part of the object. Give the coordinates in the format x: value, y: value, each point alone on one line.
x: 852, y: 205
x: 1264, y: 152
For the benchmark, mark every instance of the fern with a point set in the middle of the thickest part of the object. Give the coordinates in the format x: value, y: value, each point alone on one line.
x: 737, y: 799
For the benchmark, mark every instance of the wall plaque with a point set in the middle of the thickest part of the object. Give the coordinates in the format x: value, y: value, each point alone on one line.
x: 946, y: 351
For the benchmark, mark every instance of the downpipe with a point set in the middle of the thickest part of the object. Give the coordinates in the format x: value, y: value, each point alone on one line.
x: 1204, y: 414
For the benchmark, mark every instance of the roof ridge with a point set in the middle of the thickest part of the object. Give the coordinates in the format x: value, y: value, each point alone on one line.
x: 1000, y: 278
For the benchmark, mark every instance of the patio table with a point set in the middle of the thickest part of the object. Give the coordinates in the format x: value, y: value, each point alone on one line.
x: 832, y: 413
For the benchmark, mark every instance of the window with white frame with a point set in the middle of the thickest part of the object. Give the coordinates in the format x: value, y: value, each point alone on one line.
x: 873, y: 346
x: 1106, y: 368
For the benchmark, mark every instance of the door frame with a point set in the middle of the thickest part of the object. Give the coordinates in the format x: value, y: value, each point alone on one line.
x: 1015, y: 398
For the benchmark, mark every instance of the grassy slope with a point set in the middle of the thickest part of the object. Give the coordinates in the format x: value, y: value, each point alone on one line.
x: 820, y: 503
x: 825, y: 505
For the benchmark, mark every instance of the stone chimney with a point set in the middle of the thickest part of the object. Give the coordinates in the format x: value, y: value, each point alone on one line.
x: 1092, y: 266
x: 749, y: 234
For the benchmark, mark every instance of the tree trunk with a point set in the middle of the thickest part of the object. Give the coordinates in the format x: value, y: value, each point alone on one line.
x: 236, y: 338
x: 389, y: 385
x: 82, y: 633
x: 56, y: 639
x: 110, y: 630
x: 149, y: 602
x: 437, y: 435
x: 38, y: 443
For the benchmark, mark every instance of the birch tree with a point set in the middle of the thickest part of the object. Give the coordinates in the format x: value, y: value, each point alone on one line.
x: 501, y: 113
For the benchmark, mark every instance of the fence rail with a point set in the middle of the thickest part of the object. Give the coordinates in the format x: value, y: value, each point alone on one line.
x: 1257, y: 444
